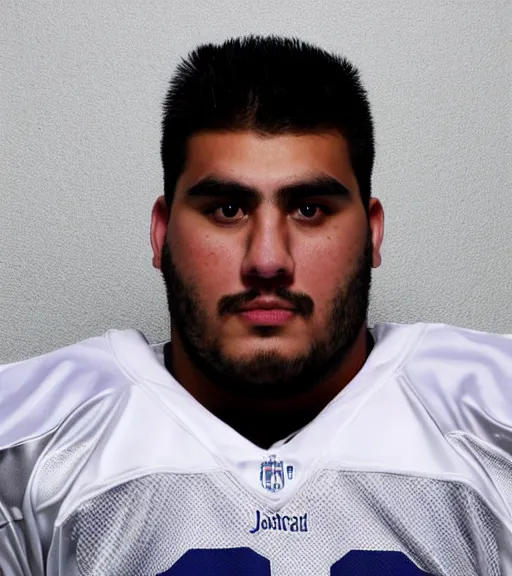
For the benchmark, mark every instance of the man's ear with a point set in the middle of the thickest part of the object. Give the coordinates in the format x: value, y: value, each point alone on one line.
x: 159, y: 222
x: 376, y: 220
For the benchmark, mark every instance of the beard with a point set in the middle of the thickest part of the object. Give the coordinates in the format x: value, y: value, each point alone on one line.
x: 268, y: 374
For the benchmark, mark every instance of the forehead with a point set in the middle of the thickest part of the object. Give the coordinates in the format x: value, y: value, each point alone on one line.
x: 266, y: 162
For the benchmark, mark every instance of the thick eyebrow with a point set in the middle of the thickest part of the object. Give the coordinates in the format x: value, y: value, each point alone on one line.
x: 319, y: 186
x: 212, y: 187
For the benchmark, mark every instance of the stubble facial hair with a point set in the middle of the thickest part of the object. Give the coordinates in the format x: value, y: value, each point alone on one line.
x: 267, y: 374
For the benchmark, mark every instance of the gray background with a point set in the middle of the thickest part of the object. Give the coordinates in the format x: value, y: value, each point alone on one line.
x: 81, y: 86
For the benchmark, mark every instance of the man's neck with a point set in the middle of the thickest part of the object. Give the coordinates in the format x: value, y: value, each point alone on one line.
x: 246, y: 414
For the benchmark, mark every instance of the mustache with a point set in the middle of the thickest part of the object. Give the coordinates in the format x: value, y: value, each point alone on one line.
x: 231, y: 304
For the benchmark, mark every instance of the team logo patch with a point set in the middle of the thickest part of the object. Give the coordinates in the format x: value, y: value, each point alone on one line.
x: 272, y: 474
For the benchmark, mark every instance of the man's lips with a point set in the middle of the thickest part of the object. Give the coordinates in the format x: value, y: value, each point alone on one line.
x: 267, y: 312
x: 266, y: 304
x: 267, y: 317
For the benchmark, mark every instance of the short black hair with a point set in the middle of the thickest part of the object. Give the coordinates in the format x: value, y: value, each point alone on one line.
x: 272, y: 85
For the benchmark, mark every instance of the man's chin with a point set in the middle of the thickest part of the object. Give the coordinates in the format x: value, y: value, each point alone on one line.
x: 266, y: 372
x: 264, y: 367
x: 253, y: 353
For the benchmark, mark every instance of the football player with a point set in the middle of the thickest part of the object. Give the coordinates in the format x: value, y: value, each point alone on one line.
x: 274, y: 433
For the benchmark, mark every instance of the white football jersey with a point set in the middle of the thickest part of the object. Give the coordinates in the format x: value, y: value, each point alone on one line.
x: 108, y: 467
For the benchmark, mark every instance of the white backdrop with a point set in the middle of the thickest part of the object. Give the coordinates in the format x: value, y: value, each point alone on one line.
x: 81, y: 89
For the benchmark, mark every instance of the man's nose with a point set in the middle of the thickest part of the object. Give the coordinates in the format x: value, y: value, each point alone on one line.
x: 268, y: 260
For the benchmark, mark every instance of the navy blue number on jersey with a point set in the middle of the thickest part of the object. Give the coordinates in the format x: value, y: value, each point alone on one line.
x: 246, y: 562
x: 373, y: 563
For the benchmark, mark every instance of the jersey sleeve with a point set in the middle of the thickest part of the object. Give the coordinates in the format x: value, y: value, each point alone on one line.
x: 464, y: 380
x: 49, y: 407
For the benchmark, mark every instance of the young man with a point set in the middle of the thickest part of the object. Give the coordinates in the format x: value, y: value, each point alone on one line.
x: 274, y: 434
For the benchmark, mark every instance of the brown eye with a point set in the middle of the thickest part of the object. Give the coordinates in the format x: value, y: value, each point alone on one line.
x: 308, y: 210
x: 310, y: 213
x: 229, y: 210
x: 228, y: 213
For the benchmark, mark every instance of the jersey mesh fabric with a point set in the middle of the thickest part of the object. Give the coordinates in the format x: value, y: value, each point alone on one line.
x: 497, y: 466
x: 144, y: 526
x: 56, y: 469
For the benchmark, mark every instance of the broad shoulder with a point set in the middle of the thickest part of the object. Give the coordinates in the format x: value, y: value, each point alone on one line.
x: 38, y: 394
x: 463, y: 378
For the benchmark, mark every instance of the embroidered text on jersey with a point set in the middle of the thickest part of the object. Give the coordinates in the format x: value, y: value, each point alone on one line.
x: 280, y: 522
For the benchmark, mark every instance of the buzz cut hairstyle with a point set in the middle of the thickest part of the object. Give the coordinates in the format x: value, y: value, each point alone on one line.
x: 270, y: 85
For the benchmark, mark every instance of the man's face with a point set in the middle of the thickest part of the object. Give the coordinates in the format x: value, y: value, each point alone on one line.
x: 267, y: 259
